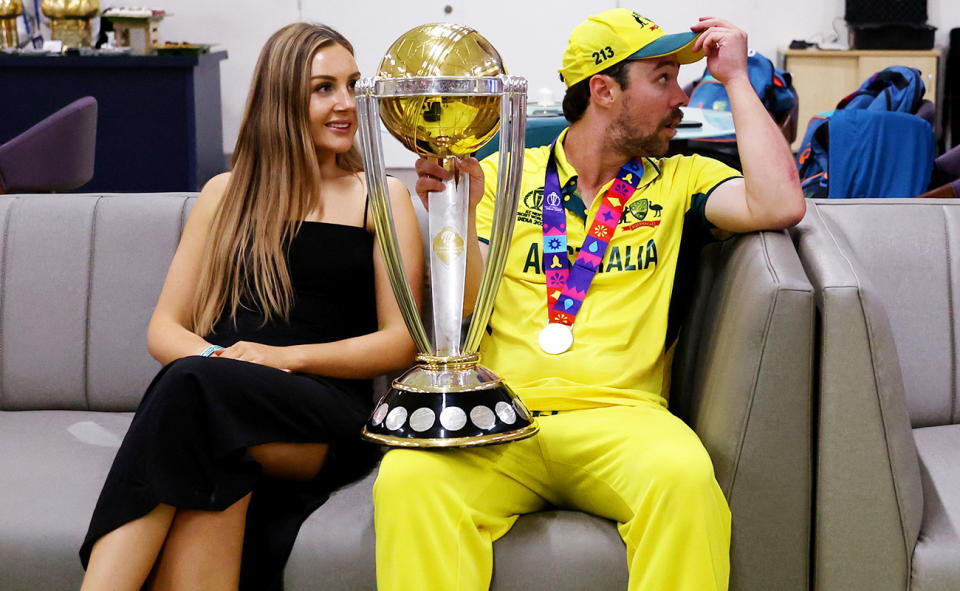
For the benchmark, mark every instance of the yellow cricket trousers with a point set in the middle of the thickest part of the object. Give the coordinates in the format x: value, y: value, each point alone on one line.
x: 438, y: 512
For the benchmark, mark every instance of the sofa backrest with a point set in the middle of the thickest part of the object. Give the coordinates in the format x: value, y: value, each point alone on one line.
x: 79, y: 278
x: 906, y: 253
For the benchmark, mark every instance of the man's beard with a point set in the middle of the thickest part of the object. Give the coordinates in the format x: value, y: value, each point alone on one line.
x: 631, y: 143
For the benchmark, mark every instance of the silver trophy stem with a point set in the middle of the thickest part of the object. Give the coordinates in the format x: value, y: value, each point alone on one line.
x: 372, y: 148
x: 448, y: 259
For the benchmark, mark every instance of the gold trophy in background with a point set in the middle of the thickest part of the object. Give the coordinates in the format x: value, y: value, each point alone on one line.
x: 9, y: 11
x: 443, y: 92
x: 70, y: 20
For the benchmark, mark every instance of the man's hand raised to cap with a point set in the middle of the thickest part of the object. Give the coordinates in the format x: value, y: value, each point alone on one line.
x: 725, y: 47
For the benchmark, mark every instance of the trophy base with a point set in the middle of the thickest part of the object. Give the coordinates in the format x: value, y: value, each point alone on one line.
x: 434, y: 406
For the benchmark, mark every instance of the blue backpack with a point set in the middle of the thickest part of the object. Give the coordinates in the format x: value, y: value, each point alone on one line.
x: 772, y: 85
x: 894, y: 89
x: 897, y: 88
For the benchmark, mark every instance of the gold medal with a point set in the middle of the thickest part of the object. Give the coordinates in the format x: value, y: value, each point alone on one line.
x: 556, y: 338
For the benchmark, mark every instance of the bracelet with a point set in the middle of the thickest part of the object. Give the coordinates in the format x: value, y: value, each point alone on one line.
x: 211, y: 350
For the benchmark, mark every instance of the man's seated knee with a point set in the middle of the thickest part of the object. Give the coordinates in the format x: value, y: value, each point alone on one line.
x: 682, y: 470
x: 406, y: 471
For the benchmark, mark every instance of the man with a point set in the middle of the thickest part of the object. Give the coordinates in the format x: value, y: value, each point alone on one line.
x: 583, y: 340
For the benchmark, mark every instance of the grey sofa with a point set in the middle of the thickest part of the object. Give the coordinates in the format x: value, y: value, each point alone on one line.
x: 887, y: 279
x: 80, y: 274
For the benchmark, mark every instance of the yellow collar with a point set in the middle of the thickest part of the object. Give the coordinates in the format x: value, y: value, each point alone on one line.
x: 566, y: 171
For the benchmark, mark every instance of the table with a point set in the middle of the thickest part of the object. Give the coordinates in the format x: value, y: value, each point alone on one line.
x: 704, y: 123
x: 159, y: 126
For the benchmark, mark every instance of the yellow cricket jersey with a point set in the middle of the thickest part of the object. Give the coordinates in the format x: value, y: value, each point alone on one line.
x: 619, y: 350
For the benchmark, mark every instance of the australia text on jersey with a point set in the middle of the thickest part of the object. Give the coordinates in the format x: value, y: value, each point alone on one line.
x: 637, y: 257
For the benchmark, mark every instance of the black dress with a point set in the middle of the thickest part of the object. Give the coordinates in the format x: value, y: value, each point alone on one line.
x: 187, y: 443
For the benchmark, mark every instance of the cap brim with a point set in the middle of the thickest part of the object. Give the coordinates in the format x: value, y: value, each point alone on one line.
x: 680, y: 44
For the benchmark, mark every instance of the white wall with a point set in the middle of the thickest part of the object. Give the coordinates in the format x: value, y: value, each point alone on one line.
x: 530, y: 34
x: 240, y: 27
x: 945, y: 15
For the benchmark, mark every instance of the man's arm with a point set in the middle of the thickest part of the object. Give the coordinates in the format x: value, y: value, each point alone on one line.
x: 769, y: 196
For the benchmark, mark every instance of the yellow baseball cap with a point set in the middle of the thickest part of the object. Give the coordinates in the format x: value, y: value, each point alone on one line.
x: 617, y: 34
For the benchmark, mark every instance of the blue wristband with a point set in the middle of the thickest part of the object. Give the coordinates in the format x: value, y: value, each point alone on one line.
x: 211, y: 350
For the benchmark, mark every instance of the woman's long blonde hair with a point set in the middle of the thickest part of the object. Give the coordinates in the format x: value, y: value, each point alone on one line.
x: 275, y: 184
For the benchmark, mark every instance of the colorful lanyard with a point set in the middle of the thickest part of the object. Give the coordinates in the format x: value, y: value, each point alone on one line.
x: 567, y: 288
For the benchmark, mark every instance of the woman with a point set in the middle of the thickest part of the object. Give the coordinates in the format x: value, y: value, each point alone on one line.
x: 276, y: 282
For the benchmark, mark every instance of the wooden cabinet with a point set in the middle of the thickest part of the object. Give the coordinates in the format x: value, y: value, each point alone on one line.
x: 823, y: 77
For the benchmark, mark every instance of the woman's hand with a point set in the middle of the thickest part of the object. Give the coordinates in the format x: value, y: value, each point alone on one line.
x: 257, y: 353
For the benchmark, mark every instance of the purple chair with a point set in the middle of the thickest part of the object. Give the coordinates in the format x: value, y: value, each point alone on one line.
x: 928, y: 112
x: 946, y: 174
x: 56, y: 154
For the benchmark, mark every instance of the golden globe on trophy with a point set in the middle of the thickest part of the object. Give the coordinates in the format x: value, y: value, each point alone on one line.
x: 443, y: 92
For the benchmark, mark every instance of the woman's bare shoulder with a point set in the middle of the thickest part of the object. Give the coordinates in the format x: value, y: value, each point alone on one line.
x: 212, y: 192
x: 395, y: 186
x: 214, y: 189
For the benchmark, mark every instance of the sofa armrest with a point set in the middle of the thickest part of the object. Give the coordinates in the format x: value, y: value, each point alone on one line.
x: 868, y: 496
x: 742, y: 378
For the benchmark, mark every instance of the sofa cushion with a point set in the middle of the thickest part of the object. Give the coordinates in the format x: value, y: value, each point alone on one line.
x: 334, y: 550
x: 936, y: 559
x: 560, y: 551
x: 79, y: 279
x: 52, y: 467
x: 44, y: 313
x: 567, y: 550
x: 903, y: 247
x: 54, y: 464
x: 133, y: 244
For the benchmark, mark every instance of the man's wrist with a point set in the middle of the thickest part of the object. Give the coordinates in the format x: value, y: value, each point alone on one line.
x: 736, y: 82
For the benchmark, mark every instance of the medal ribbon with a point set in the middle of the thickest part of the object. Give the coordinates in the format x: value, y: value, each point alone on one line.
x: 566, y: 287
